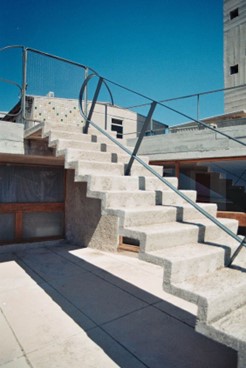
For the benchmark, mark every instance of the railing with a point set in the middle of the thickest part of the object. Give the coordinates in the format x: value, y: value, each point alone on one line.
x: 133, y: 155
x: 111, y: 89
x: 12, y: 83
x: 41, y: 73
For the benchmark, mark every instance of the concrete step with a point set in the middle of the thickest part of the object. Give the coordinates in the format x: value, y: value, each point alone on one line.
x: 156, y: 237
x: 85, y: 167
x: 111, y: 147
x: 229, y: 330
x: 209, y: 232
x: 94, y: 131
x: 187, y: 261
x: 130, y: 217
x: 216, y: 294
x: 65, y: 127
x: 139, y: 170
x: 110, y: 183
x: 186, y: 212
x: 74, y: 154
x: 125, y: 158
x: 169, y: 197
x: 62, y: 144
x: 152, y: 183
x: 129, y: 199
x: 73, y: 136
x: 103, y: 139
x: 160, y: 236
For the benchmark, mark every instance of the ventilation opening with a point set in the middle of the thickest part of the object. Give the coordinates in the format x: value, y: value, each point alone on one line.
x: 117, y: 126
x: 128, y: 244
x: 234, y: 69
x: 130, y: 241
x: 234, y: 13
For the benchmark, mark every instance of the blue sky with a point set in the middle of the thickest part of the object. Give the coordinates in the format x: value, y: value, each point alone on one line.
x: 161, y: 48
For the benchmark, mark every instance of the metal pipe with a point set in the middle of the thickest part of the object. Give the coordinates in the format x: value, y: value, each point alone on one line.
x: 23, y: 91
x: 99, y: 85
x: 140, y: 138
x: 182, y: 195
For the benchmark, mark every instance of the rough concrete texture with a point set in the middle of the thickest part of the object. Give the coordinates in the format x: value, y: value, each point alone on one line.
x: 84, y: 223
x: 61, y: 306
x: 198, y: 143
x: 96, y: 218
x: 234, y: 53
x: 11, y: 138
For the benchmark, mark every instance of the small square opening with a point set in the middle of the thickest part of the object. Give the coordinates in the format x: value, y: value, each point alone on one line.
x: 234, y: 13
x: 234, y: 69
x: 117, y: 126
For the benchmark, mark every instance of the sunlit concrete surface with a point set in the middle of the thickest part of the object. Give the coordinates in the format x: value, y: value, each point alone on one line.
x: 61, y: 306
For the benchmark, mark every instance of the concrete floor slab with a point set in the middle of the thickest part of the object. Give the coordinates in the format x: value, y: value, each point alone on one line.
x: 49, y: 266
x: 17, y: 363
x: 124, y: 268
x: 13, y: 277
x: 35, y: 318
x: 97, y: 298
x: 9, y: 347
x: 74, y: 308
x: 156, y: 337
x: 75, y: 351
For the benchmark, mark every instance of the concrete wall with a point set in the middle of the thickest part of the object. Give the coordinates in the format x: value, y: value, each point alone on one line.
x: 193, y: 145
x: 85, y: 226
x: 62, y: 110
x: 11, y: 138
x: 234, y: 54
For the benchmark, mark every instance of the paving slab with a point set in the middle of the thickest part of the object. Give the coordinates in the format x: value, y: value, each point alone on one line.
x: 17, y: 363
x: 9, y: 346
x: 13, y: 277
x: 162, y: 341
x: 35, y: 318
x: 67, y: 307
x: 76, y: 351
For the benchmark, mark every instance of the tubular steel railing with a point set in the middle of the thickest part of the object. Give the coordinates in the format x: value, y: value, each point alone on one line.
x: 89, y: 74
x: 133, y: 155
x: 25, y: 85
x: 242, y: 242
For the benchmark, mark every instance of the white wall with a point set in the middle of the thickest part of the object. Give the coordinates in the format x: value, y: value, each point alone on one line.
x: 11, y: 138
x: 234, y: 54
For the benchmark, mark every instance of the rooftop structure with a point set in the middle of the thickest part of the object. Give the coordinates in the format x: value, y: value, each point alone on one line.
x: 234, y: 54
x: 79, y: 180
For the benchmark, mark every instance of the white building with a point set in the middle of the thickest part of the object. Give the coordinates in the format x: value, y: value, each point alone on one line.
x: 235, y: 54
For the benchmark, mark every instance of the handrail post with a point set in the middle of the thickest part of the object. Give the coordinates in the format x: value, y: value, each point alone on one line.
x: 86, y: 92
x: 237, y: 251
x: 140, y: 138
x: 198, y: 107
x: 23, y: 89
x: 87, y: 123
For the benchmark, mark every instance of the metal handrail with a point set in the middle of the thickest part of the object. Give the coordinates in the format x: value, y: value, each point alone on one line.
x: 105, y: 80
x: 2, y: 80
x: 133, y: 156
x: 153, y: 103
x: 192, y: 95
x: 199, y: 122
x: 24, y: 70
x: 242, y: 243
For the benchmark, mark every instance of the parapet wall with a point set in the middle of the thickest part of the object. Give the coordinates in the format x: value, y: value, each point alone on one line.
x: 11, y: 138
x: 194, y: 144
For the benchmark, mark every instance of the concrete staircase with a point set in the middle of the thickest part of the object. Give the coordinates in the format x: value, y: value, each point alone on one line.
x: 192, y: 250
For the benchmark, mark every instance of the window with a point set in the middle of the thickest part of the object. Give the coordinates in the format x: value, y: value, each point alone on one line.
x: 117, y: 126
x: 234, y: 13
x: 234, y: 69
x: 31, y: 203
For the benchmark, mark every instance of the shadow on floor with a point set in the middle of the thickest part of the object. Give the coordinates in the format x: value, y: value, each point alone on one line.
x: 133, y: 327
